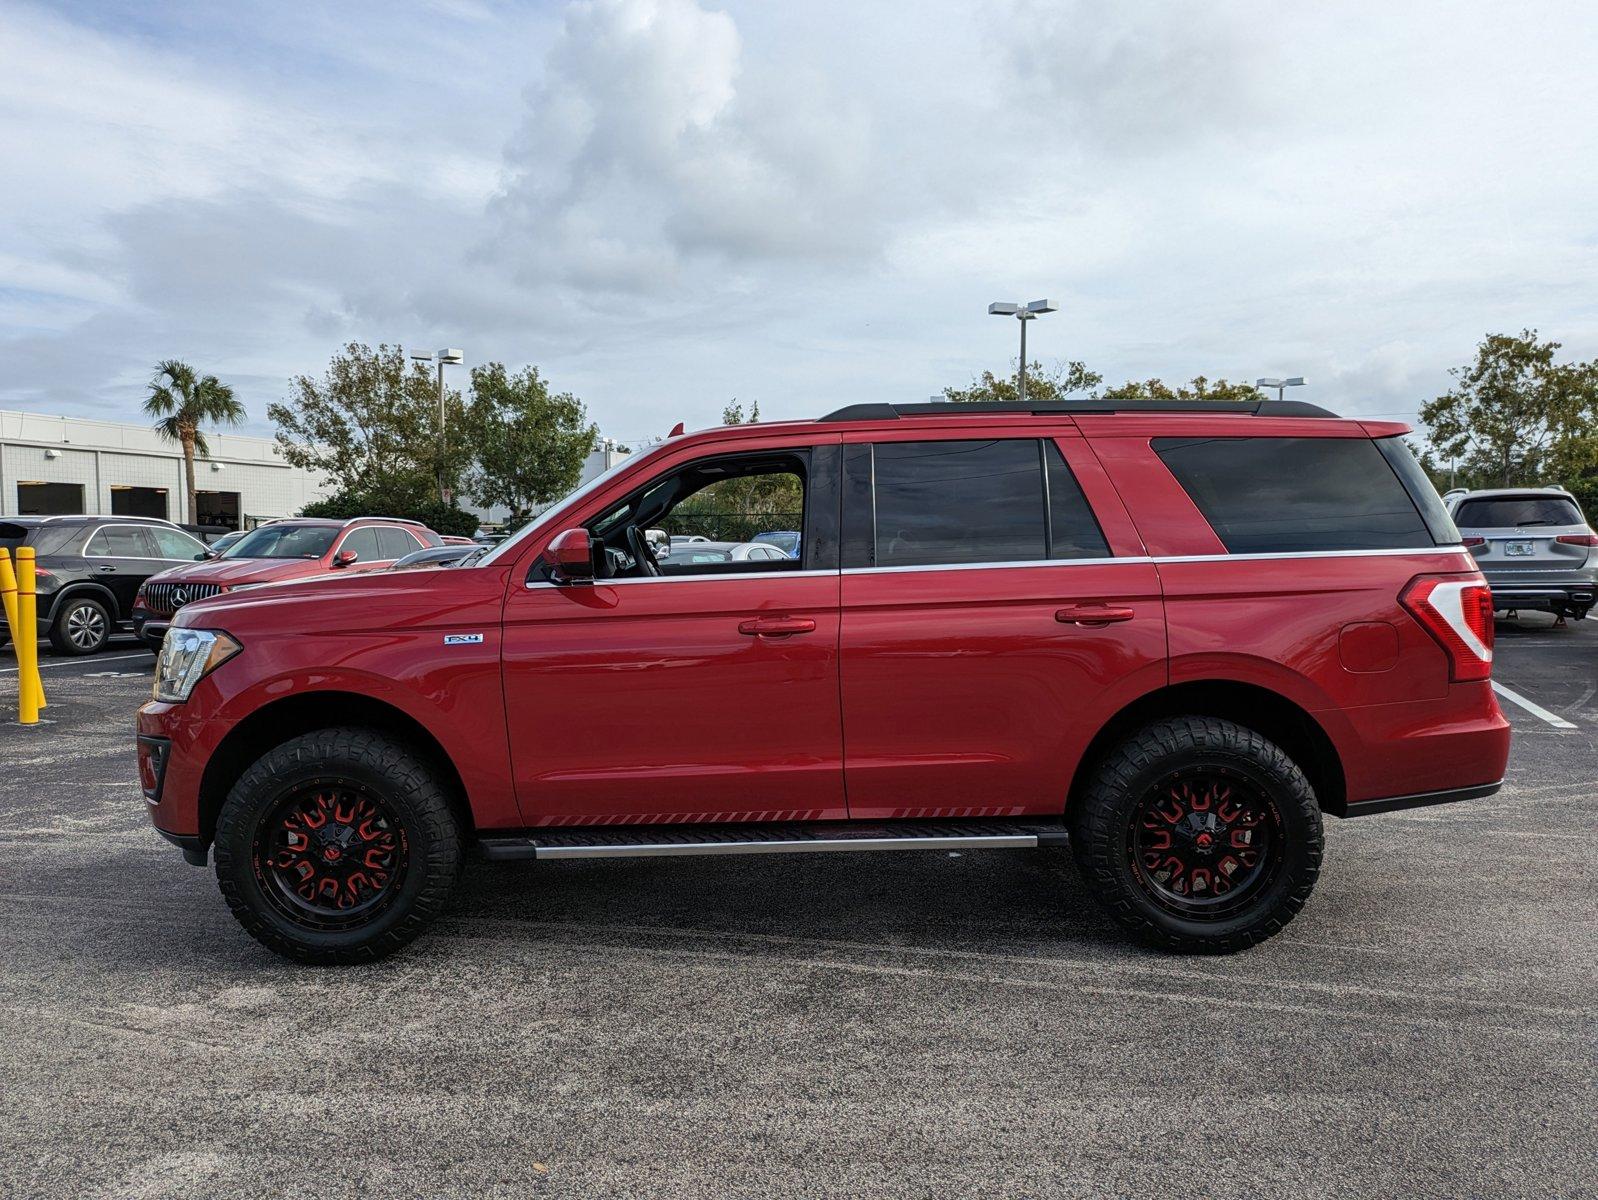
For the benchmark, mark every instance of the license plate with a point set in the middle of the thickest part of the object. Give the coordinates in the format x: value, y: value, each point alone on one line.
x: 1517, y: 549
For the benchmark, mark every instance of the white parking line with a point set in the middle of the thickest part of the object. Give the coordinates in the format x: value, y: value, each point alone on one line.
x: 77, y: 662
x: 1535, y: 710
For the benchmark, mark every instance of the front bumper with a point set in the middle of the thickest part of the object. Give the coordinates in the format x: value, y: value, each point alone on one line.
x: 175, y: 741
x: 150, y: 628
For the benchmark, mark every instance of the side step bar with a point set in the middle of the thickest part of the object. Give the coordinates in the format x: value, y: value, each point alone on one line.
x: 791, y: 838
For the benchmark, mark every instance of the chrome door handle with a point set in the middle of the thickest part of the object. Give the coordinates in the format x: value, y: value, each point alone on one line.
x: 1093, y: 614
x: 104, y: 569
x: 776, y: 626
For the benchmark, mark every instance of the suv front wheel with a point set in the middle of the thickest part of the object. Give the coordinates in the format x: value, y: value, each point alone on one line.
x: 1198, y: 835
x: 337, y: 846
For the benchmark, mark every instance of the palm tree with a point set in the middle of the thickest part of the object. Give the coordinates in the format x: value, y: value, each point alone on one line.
x: 184, y: 401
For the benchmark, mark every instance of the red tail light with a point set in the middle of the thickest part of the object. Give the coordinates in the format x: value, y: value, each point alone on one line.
x: 1473, y: 541
x: 1458, y: 613
x: 1578, y: 539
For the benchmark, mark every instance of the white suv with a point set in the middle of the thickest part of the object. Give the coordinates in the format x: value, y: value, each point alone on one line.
x: 1534, y: 546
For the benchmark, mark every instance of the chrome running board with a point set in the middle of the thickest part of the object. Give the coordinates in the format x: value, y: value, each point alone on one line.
x: 788, y: 838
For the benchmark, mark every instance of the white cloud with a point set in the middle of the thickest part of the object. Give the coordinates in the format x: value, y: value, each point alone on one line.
x: 666, y: 203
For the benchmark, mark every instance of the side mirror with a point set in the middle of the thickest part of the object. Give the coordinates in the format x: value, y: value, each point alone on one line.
x: 345, y: 557
x: 207, y: 556
x: 573, y: 553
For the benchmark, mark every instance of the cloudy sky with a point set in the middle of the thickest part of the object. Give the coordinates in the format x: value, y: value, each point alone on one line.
x: 666, y: 204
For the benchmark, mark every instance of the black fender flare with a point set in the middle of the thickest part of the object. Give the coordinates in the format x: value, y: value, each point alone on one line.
x: 81, y: 587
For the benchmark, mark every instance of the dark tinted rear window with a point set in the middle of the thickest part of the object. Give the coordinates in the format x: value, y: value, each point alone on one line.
x: 1011, y: 500
x: 1512, y: 512
x: 1280, y: 495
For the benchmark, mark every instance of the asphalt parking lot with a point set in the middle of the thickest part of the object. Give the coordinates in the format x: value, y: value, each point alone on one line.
x: 862, y: 1025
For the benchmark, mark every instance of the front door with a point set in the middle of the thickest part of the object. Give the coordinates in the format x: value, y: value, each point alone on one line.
x: 693, y: 680
x: 991, y: 623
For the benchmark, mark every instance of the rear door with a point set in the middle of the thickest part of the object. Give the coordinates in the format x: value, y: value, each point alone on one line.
x: 997, y: 607
x: 121, y: 557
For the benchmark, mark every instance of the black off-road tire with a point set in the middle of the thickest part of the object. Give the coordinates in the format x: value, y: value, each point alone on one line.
x: 82, y: 625
x: 1104, y: 822
x: 359, y: 761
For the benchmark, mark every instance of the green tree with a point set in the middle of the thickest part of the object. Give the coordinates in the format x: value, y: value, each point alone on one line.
x: 1200, y: 388
x: 736, y: 509
x: 529, y: 442
x: 184, y: 402
x: 370, y: 427
x: 1064, y: 381
x: 1515, y: 416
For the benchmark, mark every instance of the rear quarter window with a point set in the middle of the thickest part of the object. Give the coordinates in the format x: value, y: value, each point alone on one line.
x: 1266, y: 495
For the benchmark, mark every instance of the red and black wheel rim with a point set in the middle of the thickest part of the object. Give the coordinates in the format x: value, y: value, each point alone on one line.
x: 330, y: 856
x: 1205, y: 841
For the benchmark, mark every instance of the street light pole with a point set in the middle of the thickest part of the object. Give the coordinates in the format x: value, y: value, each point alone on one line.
x: 454, y: 358
x: 1023, y: 313
x: 1280, y: 384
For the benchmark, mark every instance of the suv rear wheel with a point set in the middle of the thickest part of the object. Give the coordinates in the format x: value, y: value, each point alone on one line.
x: 1198, y: 835
x: 82, y: 625
x: 338, y: 846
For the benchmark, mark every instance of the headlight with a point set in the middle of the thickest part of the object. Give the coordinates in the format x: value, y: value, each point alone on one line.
x: 188, y: 656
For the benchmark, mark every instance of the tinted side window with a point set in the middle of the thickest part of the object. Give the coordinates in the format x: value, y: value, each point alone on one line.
x: 122, y: 541
x: 1279, y: 495
x: 364, y: 543
x: 1073, y: 530
x: 959, y: 502
x: 395, y: 543
x: 173, y: 544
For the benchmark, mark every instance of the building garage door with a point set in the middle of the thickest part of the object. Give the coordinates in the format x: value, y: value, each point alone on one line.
x: 130, y: 501
x: 36, y: 499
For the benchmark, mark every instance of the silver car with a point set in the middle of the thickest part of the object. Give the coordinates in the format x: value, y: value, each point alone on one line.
x: 1534, y: 546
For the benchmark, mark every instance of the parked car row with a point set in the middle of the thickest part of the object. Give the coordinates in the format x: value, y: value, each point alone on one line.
x: 98, y: 576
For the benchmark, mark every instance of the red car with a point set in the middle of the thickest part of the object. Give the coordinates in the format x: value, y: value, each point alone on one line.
x: 277, y: 551
x: 1169, y: 636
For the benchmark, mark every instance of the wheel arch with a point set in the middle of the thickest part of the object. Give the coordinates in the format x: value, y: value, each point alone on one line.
x: 88, y: 587
x: 1267, y: 712
x: 275, y: 723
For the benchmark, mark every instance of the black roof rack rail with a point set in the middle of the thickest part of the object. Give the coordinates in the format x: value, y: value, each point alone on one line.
x: 1258, y: 408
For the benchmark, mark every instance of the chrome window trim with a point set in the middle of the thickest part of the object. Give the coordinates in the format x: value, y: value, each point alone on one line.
x: 126, y: 557
x: 1386, y: 552
x: 1000, y: 566
x: 543, y: 583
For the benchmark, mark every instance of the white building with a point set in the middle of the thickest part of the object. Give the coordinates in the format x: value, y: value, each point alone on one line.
x: 52, y: 465
x: 72, y: 465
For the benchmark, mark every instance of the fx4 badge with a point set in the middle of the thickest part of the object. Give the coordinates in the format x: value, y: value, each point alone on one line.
x: 462, y: 639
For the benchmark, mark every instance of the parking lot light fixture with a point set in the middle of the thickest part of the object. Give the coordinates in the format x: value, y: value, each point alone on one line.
x: 1023, y: 313
x: 449, y: 357
x: 1280, y: 384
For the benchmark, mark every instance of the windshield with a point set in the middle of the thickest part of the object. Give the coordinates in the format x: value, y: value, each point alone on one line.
x: 507, y: 548
x: 284, y: 541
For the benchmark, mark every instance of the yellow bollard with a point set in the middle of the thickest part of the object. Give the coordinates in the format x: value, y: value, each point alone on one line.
x: 8, y: 595
x: 28, y: 687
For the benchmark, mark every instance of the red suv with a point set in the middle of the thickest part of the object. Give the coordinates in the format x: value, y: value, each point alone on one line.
x: 274, y: 552
x: 1170, y: 636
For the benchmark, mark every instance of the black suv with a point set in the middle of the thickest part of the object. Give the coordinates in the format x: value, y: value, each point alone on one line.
x: 90, y: 568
